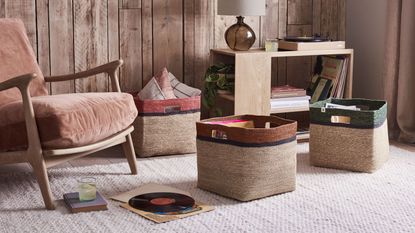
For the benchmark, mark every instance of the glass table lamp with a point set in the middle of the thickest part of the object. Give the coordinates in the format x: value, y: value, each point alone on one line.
x: 240, y: 36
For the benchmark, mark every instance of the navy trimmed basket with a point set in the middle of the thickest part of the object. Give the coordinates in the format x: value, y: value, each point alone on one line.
x: 349, y: 139
x: 247, y: 163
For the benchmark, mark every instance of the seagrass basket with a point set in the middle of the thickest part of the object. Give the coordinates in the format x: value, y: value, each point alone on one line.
x: 348, y: 139
x: 247, y: 163
x: 166, y: 127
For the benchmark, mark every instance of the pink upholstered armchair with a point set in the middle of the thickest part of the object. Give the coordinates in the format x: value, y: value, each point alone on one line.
x: 46, y: 130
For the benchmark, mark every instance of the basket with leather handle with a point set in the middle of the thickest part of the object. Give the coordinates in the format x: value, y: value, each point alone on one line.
x: 166, y: 127
x: 247, y: 163
x: 349, y: 139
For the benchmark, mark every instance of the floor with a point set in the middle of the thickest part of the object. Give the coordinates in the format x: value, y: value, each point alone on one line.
x: 115, y: 155
x: 325, y: 200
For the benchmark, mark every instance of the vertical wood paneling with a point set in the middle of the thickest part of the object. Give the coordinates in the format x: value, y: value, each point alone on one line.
x: 147, y: 35
x: 26, y: 11
x: 90, y: 42
x: 42, y: 23
x: 130, y: 50
x: 269, y: 22
x: 204, y: 41
x: 300, y: 12
x: 113, y: 31
x: 282, y: 18
x: 168, y: 36
x: 316, y: 23
x: 316, y: 16
x: 189, y: 41
x: 74, y: 35
x: 2, y: 9
x: 329, y: 14
x: 299, y: 30
x: 282, y: 32
x: 131, y: 4
x: 299, y: 68
x: 269, y: 30
x: 341, y: 19
x: 300, y: 23
x: 61, y: 43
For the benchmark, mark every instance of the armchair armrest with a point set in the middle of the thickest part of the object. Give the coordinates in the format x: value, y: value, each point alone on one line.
x: 109, y: 68
x: 22, y: 82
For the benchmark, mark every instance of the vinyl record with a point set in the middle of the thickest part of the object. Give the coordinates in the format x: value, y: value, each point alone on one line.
x: 305, y: 39
x: 162, y: 203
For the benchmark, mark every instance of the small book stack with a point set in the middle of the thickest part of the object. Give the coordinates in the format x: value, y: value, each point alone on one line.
x: 287, y: 99
x: 75, y: 205
x: 331, y: 82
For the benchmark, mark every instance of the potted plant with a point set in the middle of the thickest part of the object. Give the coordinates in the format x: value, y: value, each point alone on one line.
x: 219, y: 79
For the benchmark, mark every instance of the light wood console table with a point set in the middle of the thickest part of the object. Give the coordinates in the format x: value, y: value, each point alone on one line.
x: 253, y: 76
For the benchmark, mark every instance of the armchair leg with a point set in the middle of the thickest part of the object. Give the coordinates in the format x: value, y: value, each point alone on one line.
x: 39, y: 169
x: 129, y: 153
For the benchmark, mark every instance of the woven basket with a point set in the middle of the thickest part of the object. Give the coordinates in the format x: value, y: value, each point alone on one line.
x: 166, y: 127
x: 250, y: 163
x: 347, y: 139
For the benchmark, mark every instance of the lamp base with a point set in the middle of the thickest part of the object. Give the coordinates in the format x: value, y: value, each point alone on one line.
x: 240, y: 36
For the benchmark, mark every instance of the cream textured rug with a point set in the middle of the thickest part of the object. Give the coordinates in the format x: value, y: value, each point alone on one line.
x: 326, y: 200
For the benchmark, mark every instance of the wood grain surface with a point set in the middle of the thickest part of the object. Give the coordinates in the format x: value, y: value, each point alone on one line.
x: 74, y: 35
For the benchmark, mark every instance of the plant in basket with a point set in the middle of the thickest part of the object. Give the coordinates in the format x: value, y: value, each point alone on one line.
x: 219, y: 79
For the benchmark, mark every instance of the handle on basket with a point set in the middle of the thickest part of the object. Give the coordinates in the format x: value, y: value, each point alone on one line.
x: 219, y: 134
x: 172, y: 109
x: 214, y: 130
x: 340, y: 119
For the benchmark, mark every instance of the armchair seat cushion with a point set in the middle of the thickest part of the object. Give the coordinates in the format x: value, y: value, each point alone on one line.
x: 68, y: 120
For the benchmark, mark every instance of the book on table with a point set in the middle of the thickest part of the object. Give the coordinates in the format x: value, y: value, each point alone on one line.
x: 285, y: 97
x: 322, y: 89
x: 286, y: 91
x: 75, y: 205
x: 331, y: 81
x: 299, y: 101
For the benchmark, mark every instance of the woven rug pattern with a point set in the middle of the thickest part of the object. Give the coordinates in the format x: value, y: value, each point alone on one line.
x: 325, y: 200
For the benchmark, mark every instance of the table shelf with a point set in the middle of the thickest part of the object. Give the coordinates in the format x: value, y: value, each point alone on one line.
x: 253, y: 77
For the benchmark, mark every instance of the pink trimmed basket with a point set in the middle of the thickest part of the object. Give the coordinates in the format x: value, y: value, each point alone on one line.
x: 166, y: 127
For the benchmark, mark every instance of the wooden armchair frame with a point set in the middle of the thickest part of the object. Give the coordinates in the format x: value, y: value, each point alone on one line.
x: 41, y: 159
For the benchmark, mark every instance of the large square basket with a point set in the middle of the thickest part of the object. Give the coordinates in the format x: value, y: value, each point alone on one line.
x: 166, y: 127
x: 247, y: 163
x: 348, y: 139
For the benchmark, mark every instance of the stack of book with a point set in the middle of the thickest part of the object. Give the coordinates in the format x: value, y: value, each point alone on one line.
x: 287, y: 99
x: 331, y: 82
x: 75, y: 205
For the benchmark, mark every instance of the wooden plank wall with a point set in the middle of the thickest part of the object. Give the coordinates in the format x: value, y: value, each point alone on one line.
x: 74, y: 35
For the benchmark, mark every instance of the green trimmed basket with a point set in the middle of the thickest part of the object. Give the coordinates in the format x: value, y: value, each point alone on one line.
x: 349, y: 139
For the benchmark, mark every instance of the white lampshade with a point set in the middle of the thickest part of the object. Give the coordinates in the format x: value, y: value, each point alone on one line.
x: 241, y: 7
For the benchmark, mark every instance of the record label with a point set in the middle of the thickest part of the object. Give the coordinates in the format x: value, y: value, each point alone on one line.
x: 162, y: 201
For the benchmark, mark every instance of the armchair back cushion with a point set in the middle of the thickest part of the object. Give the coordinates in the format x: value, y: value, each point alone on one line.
x: 17, y: 58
